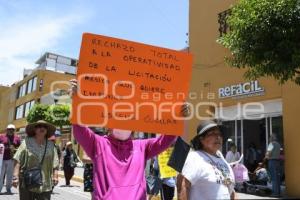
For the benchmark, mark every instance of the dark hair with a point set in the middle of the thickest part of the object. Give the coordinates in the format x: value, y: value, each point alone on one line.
x: 195, y: 142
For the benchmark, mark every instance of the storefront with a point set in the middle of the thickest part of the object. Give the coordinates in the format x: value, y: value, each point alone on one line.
x: 255, y: 128
x: 227, y: 93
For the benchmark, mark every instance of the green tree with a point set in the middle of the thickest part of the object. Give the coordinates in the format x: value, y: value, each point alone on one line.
x: 264, y: 38
x: 39, y: 112
x: 60, y: 115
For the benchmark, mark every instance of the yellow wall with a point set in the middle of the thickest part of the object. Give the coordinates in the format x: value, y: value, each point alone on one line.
x: 3, y: 109
x: 291, y: 110
x: 210, y: 73
x: 203, y: 31
x: 48, y: 77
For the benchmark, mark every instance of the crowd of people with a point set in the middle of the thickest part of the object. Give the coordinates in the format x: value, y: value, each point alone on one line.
x: 115, y: 163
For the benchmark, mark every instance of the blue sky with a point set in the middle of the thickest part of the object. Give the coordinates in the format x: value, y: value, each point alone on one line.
x: 30, y: 28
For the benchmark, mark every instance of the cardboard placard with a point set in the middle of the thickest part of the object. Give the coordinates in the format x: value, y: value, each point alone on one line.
x: 164, y: 169
x: 129, y: 85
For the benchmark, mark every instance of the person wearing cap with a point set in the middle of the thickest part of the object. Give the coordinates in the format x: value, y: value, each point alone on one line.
x: 70, y: 160
x: 206, y: 174
x: 34, y: 151
x: 11, y: 142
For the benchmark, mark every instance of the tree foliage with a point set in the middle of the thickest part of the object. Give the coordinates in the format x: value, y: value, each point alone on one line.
x: 38, y: 112
x: 264, y: 37
x: 58, y: 115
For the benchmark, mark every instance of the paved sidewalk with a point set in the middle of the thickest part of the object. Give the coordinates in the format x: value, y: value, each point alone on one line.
x: 78, y: 174
x: 78, y: 177
x: 61, y: 192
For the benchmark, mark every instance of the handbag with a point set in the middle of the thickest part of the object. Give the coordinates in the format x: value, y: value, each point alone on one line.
x: 73, y: 160
x: 33, y: 177
x: 154, y: 184
x: 240, y: 173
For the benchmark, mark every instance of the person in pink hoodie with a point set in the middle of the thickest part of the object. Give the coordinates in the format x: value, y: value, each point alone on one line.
x: 119, y: 161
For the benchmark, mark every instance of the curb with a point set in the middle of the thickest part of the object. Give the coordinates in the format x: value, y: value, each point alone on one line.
x: 74, y: 178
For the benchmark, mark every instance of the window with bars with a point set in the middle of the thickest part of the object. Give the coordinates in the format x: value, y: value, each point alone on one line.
x: 222, y: 19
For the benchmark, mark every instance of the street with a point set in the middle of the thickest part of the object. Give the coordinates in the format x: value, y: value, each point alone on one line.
x: 75, y: 192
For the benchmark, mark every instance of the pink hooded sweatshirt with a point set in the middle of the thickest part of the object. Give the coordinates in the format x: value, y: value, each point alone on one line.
x: 119, y: 165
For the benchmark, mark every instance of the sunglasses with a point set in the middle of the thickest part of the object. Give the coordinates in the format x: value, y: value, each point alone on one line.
x: 41, y: 126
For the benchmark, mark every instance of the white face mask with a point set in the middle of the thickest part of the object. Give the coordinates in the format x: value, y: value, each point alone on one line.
x: 121, y: 134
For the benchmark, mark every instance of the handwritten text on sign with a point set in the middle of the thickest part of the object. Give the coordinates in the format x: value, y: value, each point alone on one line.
x: 164, y: 169
x: 129, y: 85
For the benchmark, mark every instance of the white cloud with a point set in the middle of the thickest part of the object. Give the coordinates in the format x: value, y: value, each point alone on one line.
x: 23, y: 40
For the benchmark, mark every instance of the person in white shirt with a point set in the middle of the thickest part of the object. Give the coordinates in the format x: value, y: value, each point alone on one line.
x: 232, y: 155
x: 206, y: 174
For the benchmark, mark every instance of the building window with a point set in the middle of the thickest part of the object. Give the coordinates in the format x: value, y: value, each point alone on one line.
x: 32, y: 103
x: 28, y: 106
x: 222, y: 19
x: 28, y: 87
x: 31, y: 85
x: 22, y: 90
x: 73, y: 62
x: 19, y: 112
x: 64, y: 61
x: 23, y: 110
x: 34, y: 82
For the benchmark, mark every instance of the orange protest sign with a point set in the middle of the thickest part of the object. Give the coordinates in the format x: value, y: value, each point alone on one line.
x: 129, y: 85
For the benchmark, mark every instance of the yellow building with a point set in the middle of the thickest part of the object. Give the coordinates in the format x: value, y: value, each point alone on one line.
x: 3, y: 110
x: 51, y: 75
x: 249, y: 110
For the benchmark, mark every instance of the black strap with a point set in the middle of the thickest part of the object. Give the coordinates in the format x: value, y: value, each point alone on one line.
x: 8, y: 141
x: 41, y: 163
x: 44, y: 153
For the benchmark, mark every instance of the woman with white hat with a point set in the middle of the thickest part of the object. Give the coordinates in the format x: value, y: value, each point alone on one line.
x: 206, y: 174
x: 36, y: 166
